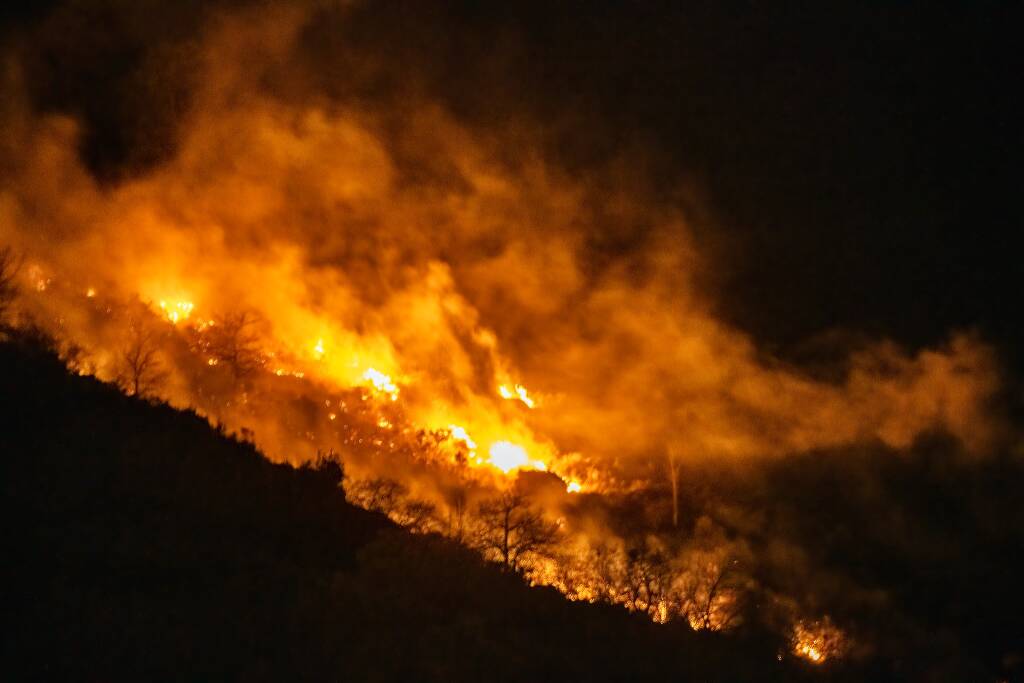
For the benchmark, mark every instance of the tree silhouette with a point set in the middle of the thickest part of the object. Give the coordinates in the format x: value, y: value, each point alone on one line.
x: 509, y: 529
x: 456, y: 500
x: 231, y: 339
x: 647, y: 578
x: 140, y: 371
x: 707, y: 592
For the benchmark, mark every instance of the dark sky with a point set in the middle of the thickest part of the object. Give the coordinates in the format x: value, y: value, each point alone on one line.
x: 860, y: 159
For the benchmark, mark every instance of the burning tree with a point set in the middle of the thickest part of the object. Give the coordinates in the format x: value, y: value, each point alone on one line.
x: 141, y: 372
x: 646, y: 579
x: 232, y: 340
x: 511, y: 530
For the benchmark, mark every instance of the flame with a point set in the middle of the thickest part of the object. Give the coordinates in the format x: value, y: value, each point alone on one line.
x: 573, y: 486
x: 460, y: 434
x: 518, y: 392
x: 507, y: 456
x: 176, y: 311
x: 319, y: 348
x: 90, y: 293
x: 381, y: 383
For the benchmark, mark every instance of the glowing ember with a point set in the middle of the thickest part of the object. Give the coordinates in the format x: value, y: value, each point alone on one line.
x: 507, y: 456
x: 381, y: 383
x: 90, y: 293
x: 518, y: 392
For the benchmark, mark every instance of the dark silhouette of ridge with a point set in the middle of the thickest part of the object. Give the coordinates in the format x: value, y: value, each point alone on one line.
x: 144, y: 545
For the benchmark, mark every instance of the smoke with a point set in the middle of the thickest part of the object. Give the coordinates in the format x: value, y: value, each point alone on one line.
x: 453, y: 258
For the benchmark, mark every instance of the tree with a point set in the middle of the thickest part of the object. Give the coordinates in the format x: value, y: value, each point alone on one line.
x: 231, y: 339
x: 647, y: 578
x: 708, y: 592
x: 9, y: 267
x: 456, y: 499
x: 509, y: 529
x: 140, y: 371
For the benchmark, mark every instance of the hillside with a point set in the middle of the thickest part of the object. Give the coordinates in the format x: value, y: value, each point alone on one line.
x: 144, y: 545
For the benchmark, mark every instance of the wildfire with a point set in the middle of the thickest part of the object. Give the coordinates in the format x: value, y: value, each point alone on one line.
x: 318, y: 349
x: 381, y: 383
x: 818, y: 641
x: 518, y: 392
x: 573, y: 486
x: 507, y: 456
x: 176, y: 311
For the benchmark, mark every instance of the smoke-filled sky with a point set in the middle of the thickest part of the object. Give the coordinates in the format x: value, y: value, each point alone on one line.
x: 725, y: 233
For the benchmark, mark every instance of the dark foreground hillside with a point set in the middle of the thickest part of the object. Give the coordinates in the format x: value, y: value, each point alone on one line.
x: 143, y: 545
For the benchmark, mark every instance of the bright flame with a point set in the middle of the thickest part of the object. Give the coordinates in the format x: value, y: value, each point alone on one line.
x: 460, y: 434
x: 507, y: 456
x: 573, y: 486
x: 319, y: 348
x: 177, y: 311
x: 381, y: 382
x: 90, y: 293
x: 518, y: 392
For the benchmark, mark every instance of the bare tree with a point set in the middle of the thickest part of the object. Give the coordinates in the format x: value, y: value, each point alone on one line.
x: 232, y: 340
x: 9, y: 267
x: 647, y: 578
x: 140, y: 371
x: 456, y: 499
x: 511, y: 530
x: 708, y: 592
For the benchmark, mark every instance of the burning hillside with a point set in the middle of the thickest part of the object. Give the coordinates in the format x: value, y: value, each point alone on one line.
x: 438, y: 306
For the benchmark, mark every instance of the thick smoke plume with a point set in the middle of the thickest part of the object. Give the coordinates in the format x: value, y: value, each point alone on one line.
x: 453, y: 262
